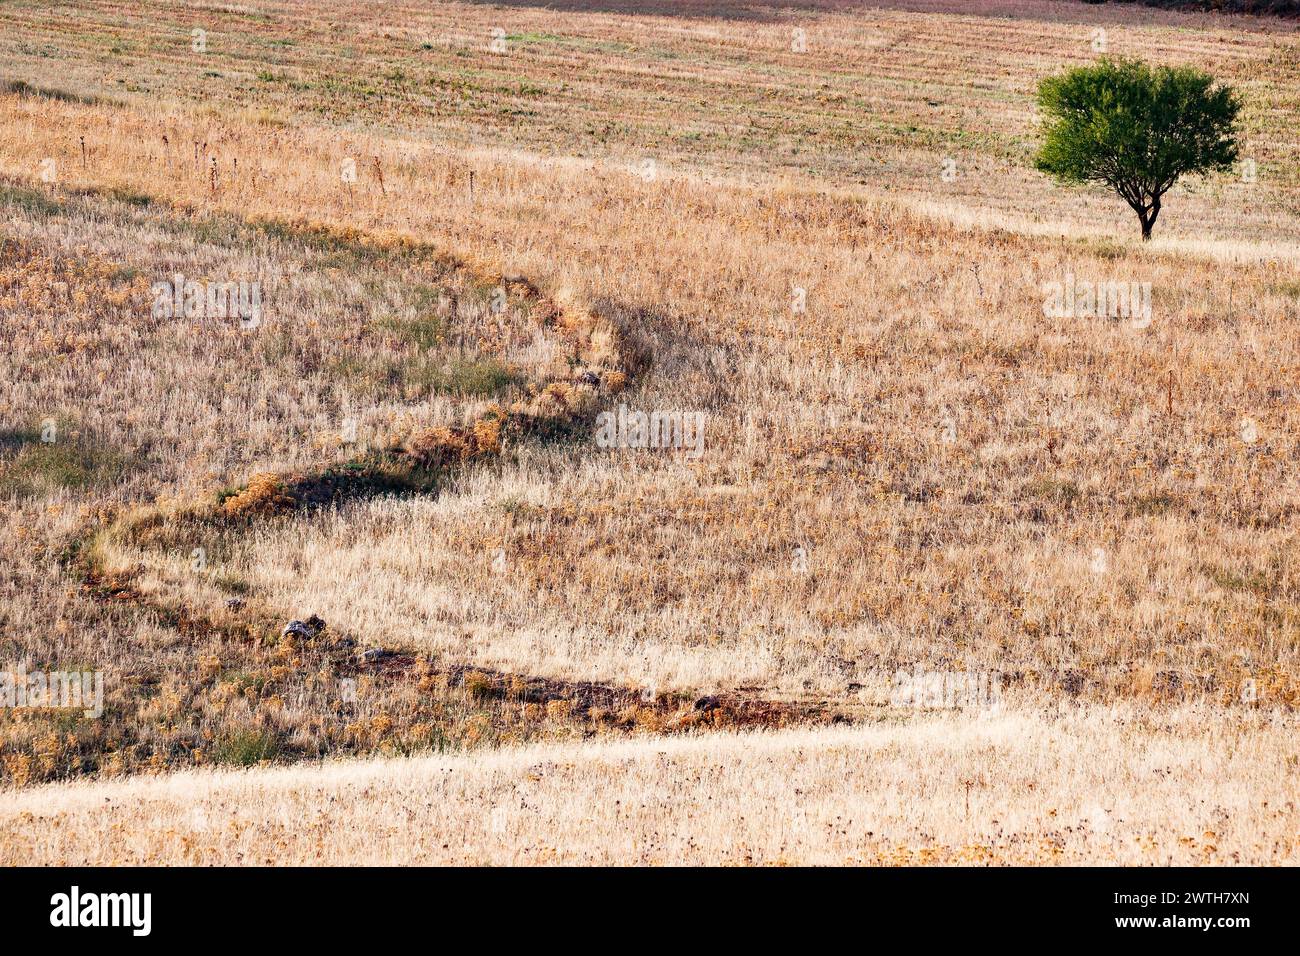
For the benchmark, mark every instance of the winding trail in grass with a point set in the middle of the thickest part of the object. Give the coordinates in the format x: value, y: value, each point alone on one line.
x: 419, y: 466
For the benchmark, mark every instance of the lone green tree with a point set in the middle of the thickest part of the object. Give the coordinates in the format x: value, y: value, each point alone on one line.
x: 1136, y: 129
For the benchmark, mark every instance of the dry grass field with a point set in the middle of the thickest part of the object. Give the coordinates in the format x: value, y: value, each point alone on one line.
x: 1030, y: 789
x: 473, y: 228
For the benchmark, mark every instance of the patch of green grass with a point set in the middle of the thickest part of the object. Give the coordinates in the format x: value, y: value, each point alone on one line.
x: 462, y: 376
x: 427, y: 371
x: 34, y: 202
x: 1256, y: 583
x: 129, y: 196
x: 23, y: 88
x: 537, y: 38
x: 38, y: 467
x: 1290, y: 289
x: 425, y: 331
x: 523, y: 88
x: 365, y: 374
x: 66, y: 721
x: 245, y: 748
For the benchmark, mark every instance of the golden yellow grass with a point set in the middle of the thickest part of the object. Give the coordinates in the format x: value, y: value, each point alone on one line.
x: 881, y: 97
x: 367, y: 343
x: 1069, y: 786
x: 827, y: 431
x: 918, y: 469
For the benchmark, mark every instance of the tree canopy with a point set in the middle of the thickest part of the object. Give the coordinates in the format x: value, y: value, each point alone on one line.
x: 1136, y: 128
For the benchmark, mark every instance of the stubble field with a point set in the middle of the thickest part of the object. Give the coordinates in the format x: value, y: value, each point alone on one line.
x: 837, y: 254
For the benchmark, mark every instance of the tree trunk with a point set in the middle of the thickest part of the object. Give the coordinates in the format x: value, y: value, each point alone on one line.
x: 1143, y: 214
x: 1148, y: 215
